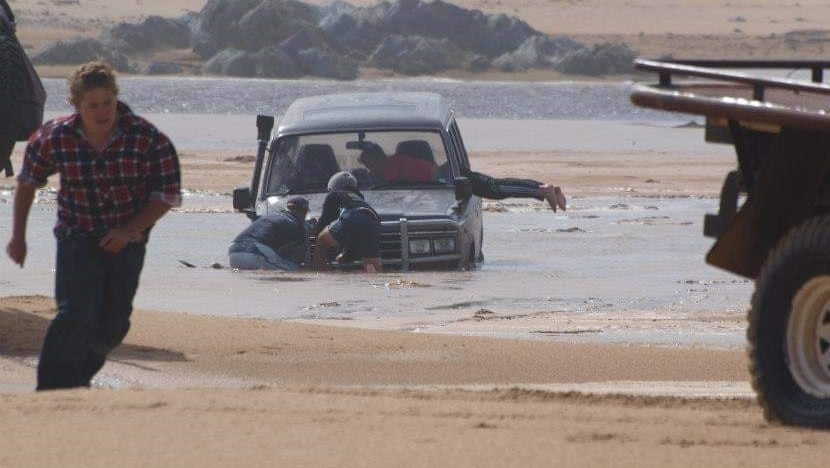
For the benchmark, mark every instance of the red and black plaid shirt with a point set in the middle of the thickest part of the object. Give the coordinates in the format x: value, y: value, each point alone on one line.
x: 101, y: 191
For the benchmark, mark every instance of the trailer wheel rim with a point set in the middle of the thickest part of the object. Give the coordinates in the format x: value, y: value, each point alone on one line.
x: 808, y: 337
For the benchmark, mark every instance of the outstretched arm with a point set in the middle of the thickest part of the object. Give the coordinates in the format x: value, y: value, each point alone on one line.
x: 494, y: 188
x: 24, y: 195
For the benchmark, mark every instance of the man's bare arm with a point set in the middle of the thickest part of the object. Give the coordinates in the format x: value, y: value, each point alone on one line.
x: 24, y: 196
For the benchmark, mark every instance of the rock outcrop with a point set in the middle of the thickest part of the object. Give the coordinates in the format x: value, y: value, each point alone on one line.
x: 288, y: 39
x: 81, y: 50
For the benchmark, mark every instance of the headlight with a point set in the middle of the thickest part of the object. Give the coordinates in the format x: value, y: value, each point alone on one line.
x: 419, y: 246
x: 444, y: 245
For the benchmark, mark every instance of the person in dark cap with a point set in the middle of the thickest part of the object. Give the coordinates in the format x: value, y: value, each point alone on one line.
x: 276, y: 241
x: 348, y: 224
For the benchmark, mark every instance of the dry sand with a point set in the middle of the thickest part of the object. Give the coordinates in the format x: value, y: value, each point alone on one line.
x: 264, y: 393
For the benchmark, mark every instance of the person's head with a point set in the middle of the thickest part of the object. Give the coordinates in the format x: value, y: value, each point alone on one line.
x: 94, y: 95
x: 343, y: 180
x: 373, y: 157
x: 297, y: 206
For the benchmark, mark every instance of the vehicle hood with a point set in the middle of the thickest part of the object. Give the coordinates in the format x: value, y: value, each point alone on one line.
x: 390, y: 204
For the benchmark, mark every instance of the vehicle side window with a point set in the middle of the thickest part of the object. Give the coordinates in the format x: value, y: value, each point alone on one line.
x: 452, y: 153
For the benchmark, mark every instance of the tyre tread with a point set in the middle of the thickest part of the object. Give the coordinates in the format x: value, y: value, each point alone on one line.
x: 811, y: 236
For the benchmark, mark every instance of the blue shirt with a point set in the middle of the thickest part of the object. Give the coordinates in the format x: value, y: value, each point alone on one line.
x: 339, y: 201
x: 280, y: 231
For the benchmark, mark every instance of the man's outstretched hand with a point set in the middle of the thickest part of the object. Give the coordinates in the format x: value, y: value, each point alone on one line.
x: 554, y: 196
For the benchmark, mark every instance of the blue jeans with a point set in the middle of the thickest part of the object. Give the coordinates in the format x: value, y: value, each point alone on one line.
x: 251, y: 255
x: 94, y: 292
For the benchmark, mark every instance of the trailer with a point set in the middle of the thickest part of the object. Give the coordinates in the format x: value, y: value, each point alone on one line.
x: 773, y: 224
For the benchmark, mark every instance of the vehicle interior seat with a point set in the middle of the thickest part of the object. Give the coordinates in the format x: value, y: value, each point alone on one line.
x: 418, y: 149
x: 316, y: 163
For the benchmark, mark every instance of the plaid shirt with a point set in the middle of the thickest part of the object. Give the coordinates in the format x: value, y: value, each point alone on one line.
x: 101, y: 191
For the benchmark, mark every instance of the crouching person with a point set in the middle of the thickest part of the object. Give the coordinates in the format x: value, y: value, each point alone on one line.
x: 276, y: 241
x: 348, y: 224
x: 118, y: 176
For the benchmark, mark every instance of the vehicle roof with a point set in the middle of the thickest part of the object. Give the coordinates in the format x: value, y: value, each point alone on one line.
x: 365, y: 111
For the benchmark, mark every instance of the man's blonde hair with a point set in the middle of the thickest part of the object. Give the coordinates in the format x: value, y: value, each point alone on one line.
x: 90, y: 76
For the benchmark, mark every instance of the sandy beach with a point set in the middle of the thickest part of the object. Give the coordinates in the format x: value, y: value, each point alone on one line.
x: 192, y: 389
x: 221, y: 392
x: 472, y: 384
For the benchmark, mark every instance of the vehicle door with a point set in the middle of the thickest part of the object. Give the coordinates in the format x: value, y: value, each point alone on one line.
x: 470, y: 210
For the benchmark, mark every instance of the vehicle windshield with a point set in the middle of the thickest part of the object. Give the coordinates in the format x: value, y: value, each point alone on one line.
x: 378, y: 160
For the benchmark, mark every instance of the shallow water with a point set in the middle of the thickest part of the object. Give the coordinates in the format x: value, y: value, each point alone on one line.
x: 610, y: 270
x: 470, y: 99
x: 627, y: 270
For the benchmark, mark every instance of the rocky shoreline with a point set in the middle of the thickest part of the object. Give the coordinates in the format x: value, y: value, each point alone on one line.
x: 291, y: 39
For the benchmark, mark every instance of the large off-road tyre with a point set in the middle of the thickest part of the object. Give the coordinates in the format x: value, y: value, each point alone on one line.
x: 789, y: 328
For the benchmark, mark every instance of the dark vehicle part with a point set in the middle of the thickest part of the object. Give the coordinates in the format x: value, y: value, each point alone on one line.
x: 243, y: 199
x: 429, y: 216
x: 22, y: 96
x: 780, y: 234
x: 789, y: 328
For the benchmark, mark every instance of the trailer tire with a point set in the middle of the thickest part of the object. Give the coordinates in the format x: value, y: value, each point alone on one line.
x: 789, y: 328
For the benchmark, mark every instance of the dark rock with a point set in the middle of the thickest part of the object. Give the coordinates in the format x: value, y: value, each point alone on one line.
x: 536, y: 52
x: 232, y: 62
x: 363, y: 28
x: 274, y: 62
x: 327, y: 64
x: 355, y: 29
x: 414, y: 55
x: 163, y: 68
x: 273, y: 21
x: 152, y: 34
x: 218, y: 25
x: 601, y: 59
x: 250, y: 24
x: 336, y: 8
x: 477, y: 64
x: 81, y: 50
x: 305, y: 38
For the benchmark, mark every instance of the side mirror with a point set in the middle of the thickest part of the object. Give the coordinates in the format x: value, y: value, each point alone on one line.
x: 242, y: 199
x: 463, y: 188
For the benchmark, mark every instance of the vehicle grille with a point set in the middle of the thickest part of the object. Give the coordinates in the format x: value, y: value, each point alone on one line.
x: 391, y: 241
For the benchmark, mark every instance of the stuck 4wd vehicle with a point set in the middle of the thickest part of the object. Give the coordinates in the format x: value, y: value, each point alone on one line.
x: 429, y: 216
x: 780, y: 235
